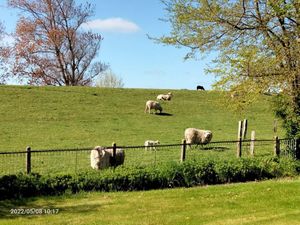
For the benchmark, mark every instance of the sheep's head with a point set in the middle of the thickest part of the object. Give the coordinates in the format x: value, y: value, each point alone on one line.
x: 207, y: 137
x: 100, y: 153
x: 159, y: 108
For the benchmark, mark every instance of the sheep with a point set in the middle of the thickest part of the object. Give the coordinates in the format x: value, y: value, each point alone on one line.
x: 165, y: 97
x: 153, y: 105
x: 196, y: 136
x: 101, y: 157
x: 201, y: 88
x: 149, y: 144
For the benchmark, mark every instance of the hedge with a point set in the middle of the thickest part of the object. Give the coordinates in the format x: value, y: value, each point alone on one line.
x: 168, y: 175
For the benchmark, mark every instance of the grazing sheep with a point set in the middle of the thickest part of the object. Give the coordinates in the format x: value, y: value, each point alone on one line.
x: 153, y: 105
x: 165, y: 97
x: 196, y: 136
x: 101, y: 158
x: 149, y: 144
x: 201, y: 88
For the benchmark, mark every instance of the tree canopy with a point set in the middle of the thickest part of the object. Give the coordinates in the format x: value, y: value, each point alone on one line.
x: 51, y: 48
x: 258, y: 42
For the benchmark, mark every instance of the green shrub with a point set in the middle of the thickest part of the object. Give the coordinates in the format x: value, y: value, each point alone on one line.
x: 168, y: 175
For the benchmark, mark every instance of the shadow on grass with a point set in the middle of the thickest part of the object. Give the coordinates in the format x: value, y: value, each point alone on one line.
x: 163, y: 114
x: 11, y: 209
x: 29, y: 208
x: 215, y: 148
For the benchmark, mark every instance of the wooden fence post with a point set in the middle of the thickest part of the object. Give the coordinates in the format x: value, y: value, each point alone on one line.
x: 276, y: 146
x: 252, y: 143
x: 28, y: 160
x: 244, y: 130
x: 275, y: 127
x: 183, y: 150
x: 113, y: 160
x: 239, y: 142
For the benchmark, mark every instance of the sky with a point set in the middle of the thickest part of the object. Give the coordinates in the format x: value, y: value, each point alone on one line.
x: 132, y: 56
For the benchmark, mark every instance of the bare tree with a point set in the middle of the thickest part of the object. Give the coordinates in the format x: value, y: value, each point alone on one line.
x: 109, y: 79
x: 50, y: 47
x: 4, y: 56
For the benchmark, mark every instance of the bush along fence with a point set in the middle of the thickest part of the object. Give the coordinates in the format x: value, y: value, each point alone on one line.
x: 66, y: 161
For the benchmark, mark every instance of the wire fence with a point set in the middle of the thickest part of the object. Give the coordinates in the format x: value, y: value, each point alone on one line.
x: 66, y: 161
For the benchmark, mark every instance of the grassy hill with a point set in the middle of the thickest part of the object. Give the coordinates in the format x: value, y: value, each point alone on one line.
x: 68, y: 117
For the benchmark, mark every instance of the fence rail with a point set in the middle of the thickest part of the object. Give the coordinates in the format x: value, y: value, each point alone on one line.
x: 77, y: 159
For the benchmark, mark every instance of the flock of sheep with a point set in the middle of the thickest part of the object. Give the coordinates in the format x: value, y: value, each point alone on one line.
x: 103, y: 158
x: 150, y: 104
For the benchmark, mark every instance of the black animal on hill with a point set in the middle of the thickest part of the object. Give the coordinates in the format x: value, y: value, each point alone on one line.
x: 201, y: 88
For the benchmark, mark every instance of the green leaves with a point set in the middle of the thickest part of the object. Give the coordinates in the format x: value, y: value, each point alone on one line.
x: 257, y: 42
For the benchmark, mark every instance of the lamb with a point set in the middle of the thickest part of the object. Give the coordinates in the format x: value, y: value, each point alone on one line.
x: 101, y: 157
x: 149, y: 144
x: 196, y: 136
x: 165, y: 97
x: 153, y: 105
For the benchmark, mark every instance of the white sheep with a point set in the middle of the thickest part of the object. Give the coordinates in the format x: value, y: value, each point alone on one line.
x: 196, y: 136
x: 101, y: 158
x: 153, y: 105
x: 165, y: 97
x: 149, y: 144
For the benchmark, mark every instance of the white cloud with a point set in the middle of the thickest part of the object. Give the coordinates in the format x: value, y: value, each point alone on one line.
x: 116, y: 25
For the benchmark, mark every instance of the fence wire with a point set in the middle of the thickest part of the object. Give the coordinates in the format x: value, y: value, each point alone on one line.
x: 12, y: 163
x: 141, y: 155
x: 65, y: 161
x: 288, y: 147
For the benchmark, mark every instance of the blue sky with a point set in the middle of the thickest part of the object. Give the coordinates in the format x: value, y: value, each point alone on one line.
x: 140, y: 62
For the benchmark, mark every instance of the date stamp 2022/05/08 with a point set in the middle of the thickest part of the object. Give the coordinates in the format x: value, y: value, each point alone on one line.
x: 33, y: 211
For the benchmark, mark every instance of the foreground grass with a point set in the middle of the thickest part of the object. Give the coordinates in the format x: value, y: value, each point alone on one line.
x: 269, y: 202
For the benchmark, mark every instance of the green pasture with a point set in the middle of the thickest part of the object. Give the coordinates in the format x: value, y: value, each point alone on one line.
x: 269, y: 202
x: 80, y: 117
x: 75, y: 117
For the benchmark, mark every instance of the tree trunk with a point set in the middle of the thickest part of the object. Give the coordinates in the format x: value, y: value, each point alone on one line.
x: 295, y: 130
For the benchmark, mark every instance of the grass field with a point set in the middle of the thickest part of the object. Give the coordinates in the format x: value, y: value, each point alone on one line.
x: 273, y: 202
x: 71, y: 117
x: 77, y: 117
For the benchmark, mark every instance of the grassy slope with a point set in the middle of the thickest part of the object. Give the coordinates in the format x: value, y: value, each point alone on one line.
x: 269, y: 202
x: 59, y: 117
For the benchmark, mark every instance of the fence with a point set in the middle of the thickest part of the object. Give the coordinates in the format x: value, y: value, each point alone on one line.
x: 58, y: 161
